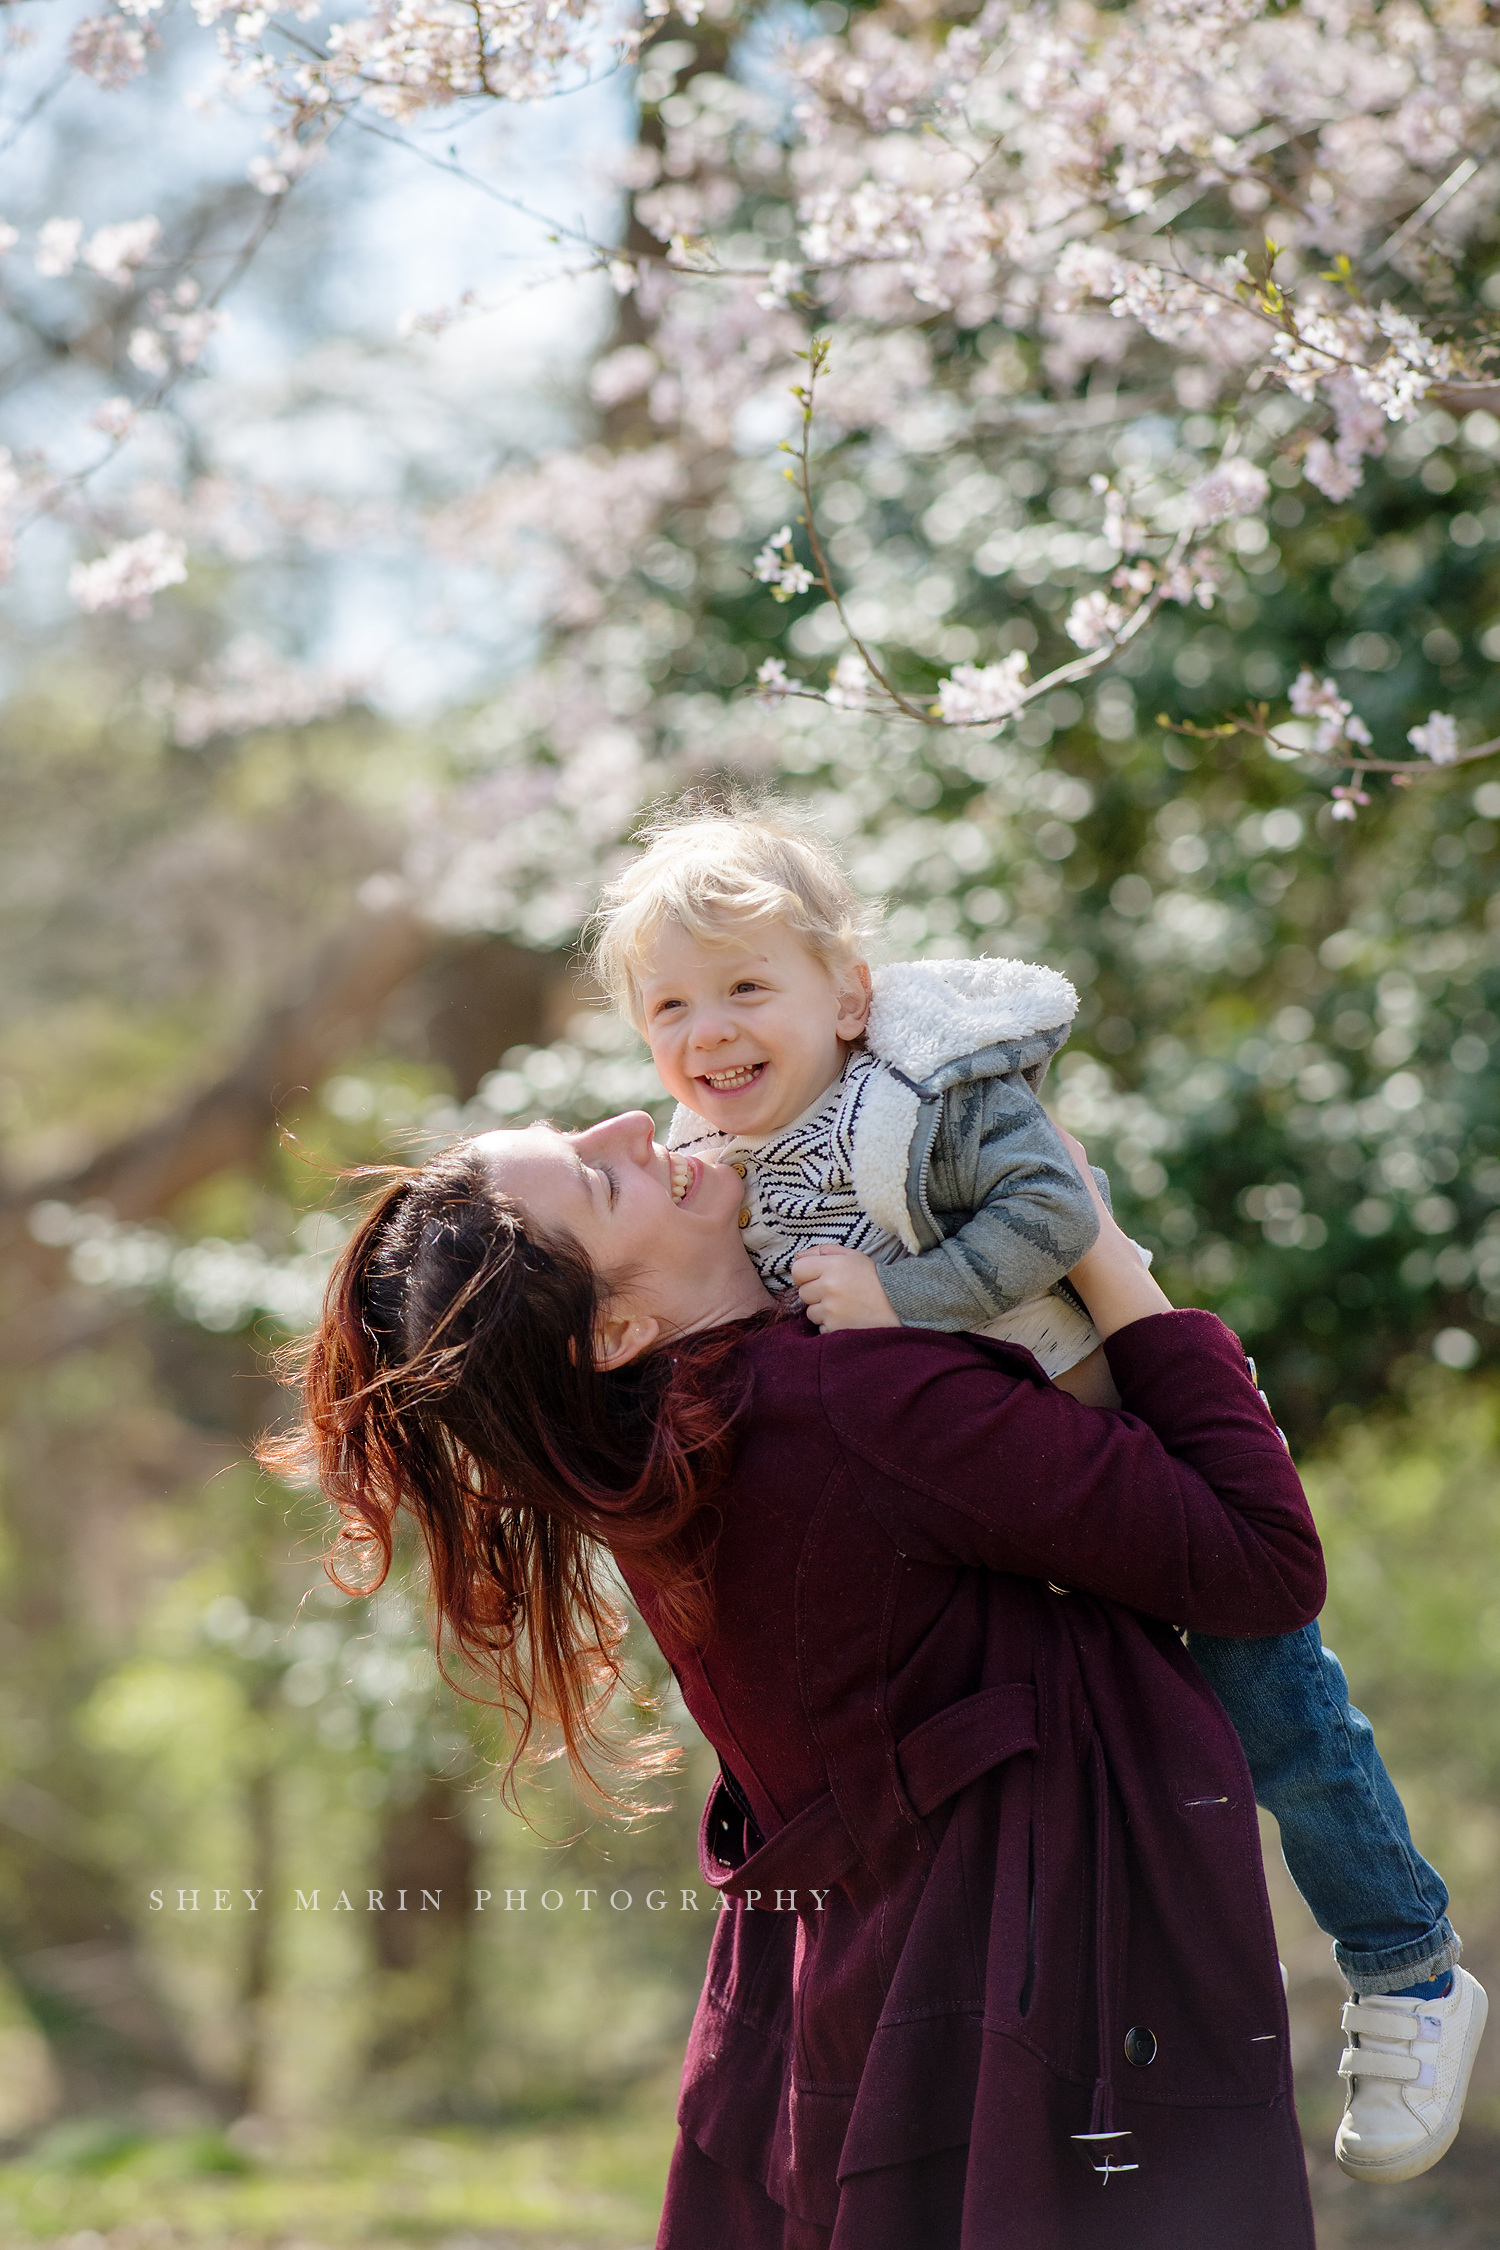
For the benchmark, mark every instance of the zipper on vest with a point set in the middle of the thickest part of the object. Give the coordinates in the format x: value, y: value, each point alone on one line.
x: 921, y: 1216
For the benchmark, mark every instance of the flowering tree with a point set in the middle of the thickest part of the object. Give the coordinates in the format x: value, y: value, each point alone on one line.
x: 976, y: 231
x: 1122, y: 362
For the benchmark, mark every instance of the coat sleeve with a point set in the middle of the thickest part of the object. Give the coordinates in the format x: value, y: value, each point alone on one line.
x: 1185, y: 1505
x: 1030, y: 1216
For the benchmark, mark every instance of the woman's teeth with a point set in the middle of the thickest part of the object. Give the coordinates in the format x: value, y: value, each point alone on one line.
x: 682, y: 1177
x: 729, y: 1081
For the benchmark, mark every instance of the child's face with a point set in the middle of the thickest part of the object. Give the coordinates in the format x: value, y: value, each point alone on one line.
x: 748, y: 1032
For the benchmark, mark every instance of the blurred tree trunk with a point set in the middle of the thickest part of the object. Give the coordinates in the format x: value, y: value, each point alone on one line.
x: 460, y: 1002
x: 260, y: 1820
x: 423, y: 2030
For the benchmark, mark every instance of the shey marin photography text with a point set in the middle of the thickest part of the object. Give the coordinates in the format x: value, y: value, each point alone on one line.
x: 167, y: 1899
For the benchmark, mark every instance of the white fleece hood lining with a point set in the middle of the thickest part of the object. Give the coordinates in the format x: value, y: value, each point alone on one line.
x: 925, y: 1014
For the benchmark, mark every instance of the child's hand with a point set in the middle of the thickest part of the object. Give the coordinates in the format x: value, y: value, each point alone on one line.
x: 842, y: 1289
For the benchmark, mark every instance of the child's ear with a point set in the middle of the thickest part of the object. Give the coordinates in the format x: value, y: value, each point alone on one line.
x: 854, y: 995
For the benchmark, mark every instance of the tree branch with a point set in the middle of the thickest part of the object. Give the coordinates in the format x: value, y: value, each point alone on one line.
x: 143, y: 1174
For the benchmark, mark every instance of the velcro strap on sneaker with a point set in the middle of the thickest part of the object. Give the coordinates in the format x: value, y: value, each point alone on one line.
x: 1365, y: 2062
x: 1385, y: 2023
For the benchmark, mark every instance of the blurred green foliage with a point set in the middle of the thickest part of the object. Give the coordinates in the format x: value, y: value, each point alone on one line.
x: 1406, y: 1504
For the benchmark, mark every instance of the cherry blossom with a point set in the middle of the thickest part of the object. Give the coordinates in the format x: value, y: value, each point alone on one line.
x: 116, y: 417
x: 405, y: 57
x: 849, y: 689
x: 777, y: 567
x: 128, y: 576
x: 1010, y: 238
x: 582, y: 516
x: 57, y: 246
x: 975, y: 694
x: 248, y: 686
x: 1437, y: 739
x: 1094, y: 620
x: 10, y: 493
x: 1124, y: 530
x: 114, y: 252
x: 110, y: 49
x: 1235, y: 488
x: 1312, y: 698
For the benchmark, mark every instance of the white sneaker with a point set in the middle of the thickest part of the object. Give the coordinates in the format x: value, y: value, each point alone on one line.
x: 1408, y: 2065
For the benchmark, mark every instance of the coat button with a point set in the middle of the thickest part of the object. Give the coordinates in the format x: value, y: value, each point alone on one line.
x: 1140, y: 2046
x: 744, y: 1218
x: 738, y: 1168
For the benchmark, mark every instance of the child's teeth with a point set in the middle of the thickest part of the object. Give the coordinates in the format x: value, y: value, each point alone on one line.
x: 720, y: 1080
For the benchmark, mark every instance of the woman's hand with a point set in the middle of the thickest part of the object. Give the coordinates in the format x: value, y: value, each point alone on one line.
x: 1110, y: 1278
x: 841, y: 1288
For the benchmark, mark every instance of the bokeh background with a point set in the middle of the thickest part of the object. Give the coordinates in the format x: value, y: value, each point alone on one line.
x: 326, y: 915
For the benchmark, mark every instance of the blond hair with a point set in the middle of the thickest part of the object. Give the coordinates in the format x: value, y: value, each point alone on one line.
x: 708, y: 867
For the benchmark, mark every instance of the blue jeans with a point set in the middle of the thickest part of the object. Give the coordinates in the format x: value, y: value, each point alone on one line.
x: 1344, y: 1837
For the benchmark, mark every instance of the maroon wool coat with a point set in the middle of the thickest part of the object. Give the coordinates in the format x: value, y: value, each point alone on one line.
x: 1019, y: 1829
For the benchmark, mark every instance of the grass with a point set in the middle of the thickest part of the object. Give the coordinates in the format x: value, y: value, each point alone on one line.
x: 592, y: 2184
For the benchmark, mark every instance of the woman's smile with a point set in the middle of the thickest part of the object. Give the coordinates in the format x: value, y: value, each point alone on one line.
x: 685, y: 1173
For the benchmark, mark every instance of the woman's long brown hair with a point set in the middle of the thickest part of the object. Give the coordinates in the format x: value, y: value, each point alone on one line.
x: 452, y: 1375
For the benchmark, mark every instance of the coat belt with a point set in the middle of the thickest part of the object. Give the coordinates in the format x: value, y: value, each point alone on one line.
x: 816, y: 1847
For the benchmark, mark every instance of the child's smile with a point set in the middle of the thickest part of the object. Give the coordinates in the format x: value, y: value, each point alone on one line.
x: 749, y: 1031
x: 733, y: 1081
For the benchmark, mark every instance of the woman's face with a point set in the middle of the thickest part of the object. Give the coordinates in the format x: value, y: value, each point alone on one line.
x: 661, y: 1232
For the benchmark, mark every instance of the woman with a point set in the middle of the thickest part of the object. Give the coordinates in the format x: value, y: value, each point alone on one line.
x: 994, y: 1964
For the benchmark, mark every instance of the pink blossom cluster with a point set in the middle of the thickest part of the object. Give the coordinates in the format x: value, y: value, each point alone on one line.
x: 1335, y: 723
x: 409, y: 56
x: 111, y: 49
x: 776, y: 566
x: 580, y: 519
x: 249, y: 686
x: 129, y: 574
x: 112, y: 252
x: 974, y: 694
x: 1016, y: 233
x: 1437, y: 739
x: 1233, y: 488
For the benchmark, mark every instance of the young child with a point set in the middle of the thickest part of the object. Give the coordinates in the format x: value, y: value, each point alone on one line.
x: 899, y: 1167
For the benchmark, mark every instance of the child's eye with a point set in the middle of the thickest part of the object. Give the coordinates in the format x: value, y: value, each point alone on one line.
x: 664, y: 1007
x: 746, y: 984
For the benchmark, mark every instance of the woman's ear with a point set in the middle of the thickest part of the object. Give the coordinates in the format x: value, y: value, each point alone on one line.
x: 620, y: 1337
x: 854, y: 996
